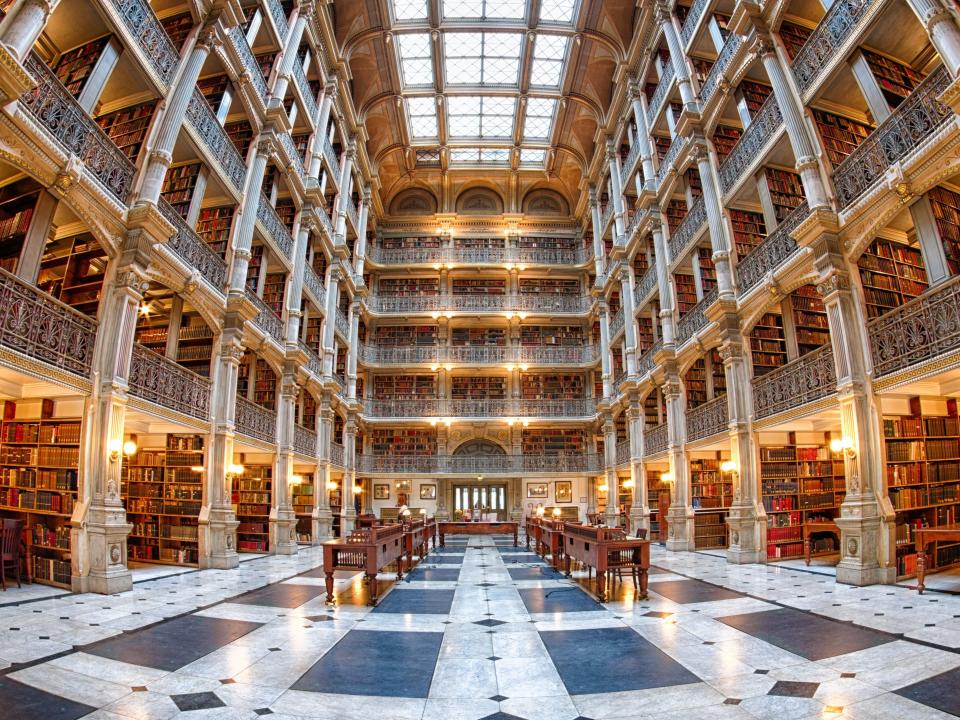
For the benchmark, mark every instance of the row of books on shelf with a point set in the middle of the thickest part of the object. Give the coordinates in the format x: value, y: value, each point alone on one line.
x: 38, y: 500
x: 784, y: 550
x: 63, y: 480
x: 819, y: 501
x: 181, y: 555
x: 251, y: 508
x: 915, y: 427
x: 43, y: 536
x: 51, y: 570
x: 906, y: 498
x: 17, y: 224
x: 45, y: 434
x: 929, y: 449
x: 157, y: 506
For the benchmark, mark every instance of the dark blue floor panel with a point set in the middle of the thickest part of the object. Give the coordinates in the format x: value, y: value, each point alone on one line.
x: 610, y: 660
x: 428, y: 574
x: 692, y: 591
x: 447, y: 559
x: 565, y: 599
x: 543, y: 572
x: 24, y: 701
x: 284, y: 595
x: 421, y: 602
x: 938, y: 692
x: 520, y: 557
x: 804, y: 634
x: 382, y: 663
x: 173, y: 643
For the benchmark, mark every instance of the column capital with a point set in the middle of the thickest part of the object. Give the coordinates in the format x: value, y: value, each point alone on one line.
x: 208, y: 38
x: 633, y: 88
x: 592, y: 196
x: 764, y: 47
x: 662, y: 12
x: 836, y: 281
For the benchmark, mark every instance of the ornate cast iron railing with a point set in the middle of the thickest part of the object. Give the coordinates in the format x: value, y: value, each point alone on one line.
x: 473, y: 464
x: 342, y: 324
x: 675, y: 148
x: 255, y: 421
x: 304, y: 441
x: 314, y: 284
x: 442, y: 407
x: 911, y: 123
x: 142, y: 23
x: 826, y: 40
x: 606, y: 215
x: 692, y: 20
x: 314, y: 364
x: 267, y: 320
x: 645, y: 362
x: 293, y: 154
x: 748, y: 149
x: 623, y: 453
x: 628, y: 165
x: 325, y: 221
x: 660, y: 94
x: 162, y: 381
x: 655, y: 440
x: 711, y: 418
x: 194, y: 251
x: 688, y: 229
x: 336, y: 454
x: 37, y: 325
x: 710, y: 84
x: 352, y: 213
x: 695, y: 319
x: 212, y: 134
x: 331, y: 156
x: 279, y: 18
x: 772, y: 252
x: 305, y: 90
x: 646, y: 285
x: 616, y: 323
x: 74, y: 130
x: 275, y: 228
x: 811, y: 377
x: 924, y: 328
x: 250, y: 64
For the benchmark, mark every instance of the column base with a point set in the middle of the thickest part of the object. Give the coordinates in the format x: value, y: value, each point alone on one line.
x: 100, y: 545
x: 639, y: 519
x: 680, y: 531
x: 348, y: 522
x: 861, y: 540
x: 283, y: 532
x: 611, y: 519
x: 748, y: 528
x: 322, y: 525
x: 218, y: 540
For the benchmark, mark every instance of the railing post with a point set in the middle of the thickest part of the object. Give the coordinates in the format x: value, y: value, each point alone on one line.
x: 283, y: 520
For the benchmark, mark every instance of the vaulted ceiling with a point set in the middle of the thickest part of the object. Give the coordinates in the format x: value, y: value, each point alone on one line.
x: 512, y: 91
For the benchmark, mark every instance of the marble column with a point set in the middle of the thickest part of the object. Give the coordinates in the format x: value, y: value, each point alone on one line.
x: 640, y: 507
x: 942, y: 29
x: 719, y: 241
x: 360, y: 251
x: 605, y: 358
x: 329, y: 321
x: 629, y: 321
x: 322, y: 516
x: 243, y: 235
x: 680, y: 515
x: 643, y: 137
x: 664, y: 278
x: 24, y: 22
x: 598, y: 258
x: 348, y: 519
x: 283, y: 520
x: 677, y: 56
x: 289, y: 56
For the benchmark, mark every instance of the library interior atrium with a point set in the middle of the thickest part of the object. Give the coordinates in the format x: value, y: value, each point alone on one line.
x: 480, y: 359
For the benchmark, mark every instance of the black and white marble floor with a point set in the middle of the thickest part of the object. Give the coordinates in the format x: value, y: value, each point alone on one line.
x: 484, y: 630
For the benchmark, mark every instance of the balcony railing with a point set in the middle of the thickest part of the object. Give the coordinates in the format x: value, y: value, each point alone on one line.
x: 255, y: 421
x: 314, y: 284
x: 712, y: 81
x: 557, y: 354
x: 749, y: 147
x: 711, y: 418
x: 618, y: 377
x: 279, y: 17
x: 635, y: 219
x: 250, y: 64
x: 478, y: 354
x: 797, y: 383
x: 692, y: 20
x: 35, y: 324
x: 267, y: 320
x: 645, y: 362
x: 623, y: 453
x: 922, y: 329
x: 466, y: 256
x: 695, y: 319
x: 314, y: 363
x: 142, y: 23
x: 336, y: 454
x: 325, y: 221
x: 445, y: 407
x: 304, y: 441
x: 689, y: 228
x: 660, y: 94
x: 305, y: 90
x: 277, y: 231
x: 629, y: 163
x: 474, y: 464
x: 646, y: 285
x: 342, y: 324
x: 193, y: 250
x: 915, y: 120
x: 542, y: 302
x: 669, y: 159
x: 162, y: 381
x: 772, y: 252
x: 546, y: 302
x: 606, y: 215
x: 293, y: 154
x: 212, y: 134
x: 655, y: 440
x: 616, y: 323
x: 840, y: 22
x: 331, y: 156
x: 353, y: 214
x: 54, y: 108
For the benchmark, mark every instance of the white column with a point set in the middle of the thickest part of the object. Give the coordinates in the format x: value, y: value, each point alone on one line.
x: 605, y: 359
x: 664, y: 278
x: 322, y: 517
x: 643, y: 135
x: 329, y: 321
x: 301, y: 225
x: 616, y: 190
x: 680, y: 516
x: 23, y: 25
x: 629, y: 321
x: 677, y: 57
x: 243, y: 235
x: 360, y: 251
x: 346, y: 187
x: 640, y: 507
x: 289, y: 56
x: 942, y: 29
x: 283, y: 520
x: 719, y: 241
x: 611, y: 515
x: 598, y: 259
x: 353, y: 346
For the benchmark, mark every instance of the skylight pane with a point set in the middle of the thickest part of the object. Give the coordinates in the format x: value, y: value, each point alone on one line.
x: 410, y: 9
x: 506, y: 9
x: 493, y: 9
x: 560, y: 11
x: 416, y: 62
x: 480, y: 156
x: 423, y: 117
x: 482, y: 58
x: 463, y: 8
x: 549, y: 53
x: 471, y: 116
x: 538, y: 118
x: 532, y: 157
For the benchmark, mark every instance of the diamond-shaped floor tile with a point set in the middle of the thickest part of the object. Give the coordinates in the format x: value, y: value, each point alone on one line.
x: 197, y: 701
x: 793, y: 688
x: 489, y: 622
x: 498, y: 698
x: 493, y: 657
x: 732, y: 701
x: 263, y: 711
x: 848, y: 675
x: 319, y: 618
x: 657, y: 614
x: 501, y: 716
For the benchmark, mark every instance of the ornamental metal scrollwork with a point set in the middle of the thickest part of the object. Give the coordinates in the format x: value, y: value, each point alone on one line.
x: 837, y: 25
x: 192, y: 249
x: 660, y: 94
x: 255, y: 421
x: 711, y: 418
x: 688, y: 229
x: 162, y: 381
x: 695, y: 319
x: 249, y: 62
x: 811, y: 377
x: 277, y: 231
x: 767, y: 122
x: 267, y: 320
x: 655, y: 440
x: 142, y: 23
x: 715, y: 79
x: 772, y: 252
x: 212, y: 134
x: 304, y: 441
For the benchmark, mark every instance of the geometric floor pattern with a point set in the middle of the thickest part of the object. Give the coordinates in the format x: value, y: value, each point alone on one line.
x: 483, y: 630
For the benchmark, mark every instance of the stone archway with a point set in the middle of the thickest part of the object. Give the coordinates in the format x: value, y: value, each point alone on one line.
x: 479, y: 447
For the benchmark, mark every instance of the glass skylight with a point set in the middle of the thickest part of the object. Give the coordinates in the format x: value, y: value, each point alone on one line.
x: 480, y: 156
x: 549, y: 52
x: 538, y: 119
x: 429, y: 156
x: 530, y: 156
x: 492, y: 9
x: 415, y: 58
x: 559, y: 11
x: 481, y: 116
x: 423, y: 117
x: 410, y: 9
x: 482, y: 58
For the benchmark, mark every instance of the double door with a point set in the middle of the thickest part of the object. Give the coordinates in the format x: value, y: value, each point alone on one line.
x: 478, y: 498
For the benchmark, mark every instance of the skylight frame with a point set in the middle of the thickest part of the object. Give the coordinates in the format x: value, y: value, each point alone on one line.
x: 422, y: 109
x: 481, y: 47
x: 480, y: 155
x: 423, y: 63
x: 399, y: 10
x: 551, y: 17
x: 547, y: 64
x: 539, y: 112
x: 485, y: 10
x: 489, y: 113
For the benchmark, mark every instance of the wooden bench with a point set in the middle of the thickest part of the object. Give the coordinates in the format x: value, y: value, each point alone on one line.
x: 368, y: 550
x: 507, y: 527
x: 606, y: 549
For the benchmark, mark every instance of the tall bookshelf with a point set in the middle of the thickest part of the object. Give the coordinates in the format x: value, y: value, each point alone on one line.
x: 695, y: 383
x: 549, y: 286
x: 923, y: 480
x: 400, y: 387
x: 179, y: 184
x: 472, y: 337
x: 478, y: 387
x: 725, y: 138
x: 676, y: 211
x: 754, y: 95
x: 749, y: 230
x: 404, y: 441
x: 685, y: 286
x: 809, y: 319
x: 551, y: 386
x: 39, y: 460
x: 251, y: 503
x: 241, y: 135
x: 408, y: 287
x: 213, y: 88
x: 273, y: 291
x: 552, y: 441
x: 895, y: 79
x: 409, y: 243
x: 768, y: 344
x: 405, y: 335
x: 478, y: 286
x: 265, y: 386
x: 549, y: 243
x: 711, y: 488
x: 786, y: 191
x: 73, y: 68
x: 566, y: 335
x: 654, y: 487
x: 891, y: 273
x: 303, y: 508
x: 495, y: 243
x: 128, y: 127
x: 16, y: 213
x: 708, y: 271
x: 793, y: 37
x: 719, y: 375
x: 840, y: 135
x: 72, y: 269
x: 710, y: 529
x: 213, y: 226
x: 178, y: 27
x: 254, y: 266
x: 946, y: 210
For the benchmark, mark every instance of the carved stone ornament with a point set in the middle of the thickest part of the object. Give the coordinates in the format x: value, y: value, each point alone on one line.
x: 735, y: 537
x: 853, y: 546
x: 229, y: 541
x: 114, y: 554
x: 672, y: 532
x: 111, y: 488
x: 730, y: 351
x: 764, y: 47
x: 836, y: 282
x: 131, y: 280
x: 63, y: 182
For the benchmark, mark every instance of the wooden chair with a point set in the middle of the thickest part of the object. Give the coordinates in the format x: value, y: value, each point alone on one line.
x: 10, y: 549
x: 624, y: 560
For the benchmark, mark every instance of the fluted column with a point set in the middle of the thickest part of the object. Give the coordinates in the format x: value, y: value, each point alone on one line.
x: 680, y: 516
x: 282, y: 82
x: 326, y: 105
x: 677, y: 56
x: 629, y: 321
x: 283, y: 520
x: 360, y: 251
x: 643, y: 135
x: 598, y: 259
x: 942, y: 29
x: 329, y: 321
x: 348, y: 518
x: 322, y: 516
x: 346, y: 187
x: 611, y: 515
x: 295, y: 283
x: 719, y: 240
x: 353, y: 347
x: 605, y: 359
x: 616, y: 189
x: 803, y: 148
x: 243, y: 236
x: 664, y: 278
x: 639, y: 517
x: 176, y: 110
x: 23, y: 25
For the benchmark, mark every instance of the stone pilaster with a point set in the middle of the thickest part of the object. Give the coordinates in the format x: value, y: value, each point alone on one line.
x: 680, y: 515
x: 283, y: 520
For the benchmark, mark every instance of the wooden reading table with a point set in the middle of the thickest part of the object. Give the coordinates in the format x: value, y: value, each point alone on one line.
x: 817, y: 526
x: 368, y: 550
x: 923, y: 536
x: 415, y: 538
x: 430, y: 525
x: 449, y: 527
x: 551, y: 541
x: 532, y: 530
x: 606, y: 549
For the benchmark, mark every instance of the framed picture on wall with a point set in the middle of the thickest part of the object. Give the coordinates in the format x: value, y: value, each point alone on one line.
x: 381, y: 492
x: 428, y: 492
x: 537, y: 490
x: 563, y: 491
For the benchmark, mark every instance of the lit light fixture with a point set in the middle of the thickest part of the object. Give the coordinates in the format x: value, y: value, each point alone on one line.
x: 556, y: 513
x: 524, y: 367
x: 145, y: 309
x: 521, y: 268
x: 448, y: 315
x: 197, y: 468
x: 332, y: 485
x: 540, y: 510
x: 728, y: 466
x: 435, y: 314
x: 437, y: 266
x: 129, y: 448
x: 522, y: 315
x: 235, y: 469
x: 509, y: 368
x: 508, y: 267
x: 117, y: 446
x: 511, y: 421
x: 666, y: 477
x: 433, y: 422
x: 526, y: 423
x: 448, y: 366
x: 434, y: 368
x: 296, y: 479
x: 843, y: 445
x: 508, y: 315
x: 450, y: 266
x: 603, y: 487
x: 357, y: 489
x: 448, y: 422
x: 629, y: 484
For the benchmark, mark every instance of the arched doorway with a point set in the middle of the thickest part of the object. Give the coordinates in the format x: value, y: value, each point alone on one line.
x: 479, y: 497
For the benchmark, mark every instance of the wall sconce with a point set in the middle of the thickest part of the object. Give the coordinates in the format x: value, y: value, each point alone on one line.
x: 526, y: 423
x: 437, y: 266
x: 521, y: 268
x: 197, y: 468
x: 234, y: 469
x: 629, y: 484
x: 603, y: 487
x: 357, y: 489
x: 522, y: 315
x: 540, y: 510
x: 435, y: 314
x: 556, y: 513
x: 448, y: 422
x: 843, y: 445
x: 509, y: 368
x: 115, y: 447
x: 332, y: 485
x: 666, y: 477
x: 433, y: 422
x: 296, y: 479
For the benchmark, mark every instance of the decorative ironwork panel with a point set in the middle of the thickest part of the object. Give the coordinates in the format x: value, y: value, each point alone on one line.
x: 414, y: 303
x: 352, y: 213
x: 279, y: 17
x: 255, y: 421
x: 797, y: 383
x: 749, y: 147
x: 607, y: 214
x: 772, y: 252
x: 162, y: 381
x: 660, y: 94
x: 342, y: 324
x: 655, y: 440
x: 692, y: 21
x: 304, y: 441
x: 583, y: 407
x: 305, y: 91
x: 250, y: 64
x: 824, y: 42
x: 689, y: 228
x: 275, y: 228
x: 325, y: 221
x: 629, y: 163
x: 267, y: 320
x: 645, y: 363
x: 483, y: 355
x: 220, y: 146
x: 38, y: 326
x: 55, y: 109
x: 193, y: 250
x: 557, y: 354
x: 555, y: 303
x: 711, y: 418
x: 314, y: 364
x: 710, y: 84
x: 337, y: 454
x: 616, y: 323
x: 419, y: 407
x: 406, y: 256
x: 293, y: 155
x: 410, y: 355
x: 669, y: 159
x: 331, y: 156
x: 646, y: 285
x: 623, y: 453
x: 922, y: 329
x: 695, y: 319
x: 911, y: 123
x: 314, y: 284
x: 142, y: 23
